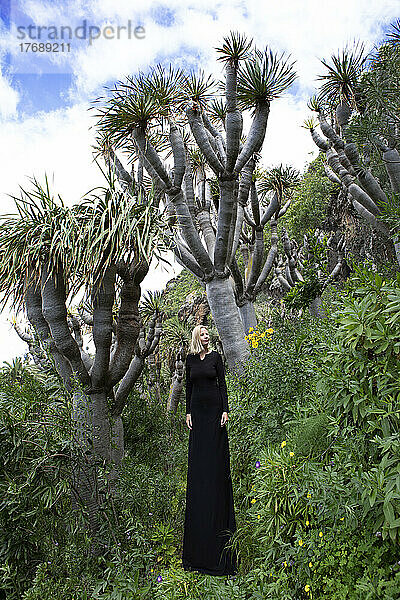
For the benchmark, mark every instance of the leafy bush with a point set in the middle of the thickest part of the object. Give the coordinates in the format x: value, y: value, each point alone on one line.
x: 33, y: 483
x: 312, y: 196
x: 362, y: 380
x: 309, y: 437
x: 324, y: 483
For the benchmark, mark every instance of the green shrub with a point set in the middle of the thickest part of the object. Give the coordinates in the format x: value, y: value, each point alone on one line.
x: 361, y: 379
x: 310, y: 437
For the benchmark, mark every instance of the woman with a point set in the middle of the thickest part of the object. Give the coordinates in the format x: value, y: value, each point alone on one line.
x: 209, y: 515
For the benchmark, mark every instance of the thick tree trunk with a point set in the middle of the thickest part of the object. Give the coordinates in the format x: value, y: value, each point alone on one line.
x: 248, y: 316
x: 117, y: 452
x: 397, y: 251
x: 101, y: 425
x: 316, y: 309
x: 227, y: 319
x: 117, y: 440
x: 85, y: 488
x: 176, y: 387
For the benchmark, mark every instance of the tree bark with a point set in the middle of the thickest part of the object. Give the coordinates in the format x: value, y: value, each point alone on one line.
x: 316, y: 308
x: 248, y: 315
x: 228, y: 322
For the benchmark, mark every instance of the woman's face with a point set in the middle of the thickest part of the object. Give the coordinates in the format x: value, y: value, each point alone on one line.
x: 204, y: 335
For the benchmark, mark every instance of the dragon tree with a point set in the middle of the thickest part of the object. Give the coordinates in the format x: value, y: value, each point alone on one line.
x: 165, y: 115
x: 101, y: 249
x: 358, y: 113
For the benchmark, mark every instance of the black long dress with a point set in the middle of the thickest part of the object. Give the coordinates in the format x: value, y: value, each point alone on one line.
x: 209, y: 515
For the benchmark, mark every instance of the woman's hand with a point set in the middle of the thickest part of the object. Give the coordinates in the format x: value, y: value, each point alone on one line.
x: 224, y: 418
x: 189, y: 421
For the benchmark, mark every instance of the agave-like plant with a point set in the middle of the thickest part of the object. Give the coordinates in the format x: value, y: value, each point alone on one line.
x: 121, y: 113
x: 342, y: 79
x: 216, y: 110
x: 281, y: 179
x: 263, y: 77
x: 314, y: 103
x: 152, y: 303
x: 236, y: 47
x: 310, y: 123
x: 176, y: 334
x: 393, y: 35
x: 114, y: 229
x: 42, y: 226
x: 198, y: 88
x: 165, y: 85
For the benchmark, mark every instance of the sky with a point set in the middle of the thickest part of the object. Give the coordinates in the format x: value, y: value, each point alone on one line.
x: 56, y: 58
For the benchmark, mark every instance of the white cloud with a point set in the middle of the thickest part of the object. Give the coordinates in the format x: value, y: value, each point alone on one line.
x: 58, y: 143
x: 310, y: 30
x: 9, y: 100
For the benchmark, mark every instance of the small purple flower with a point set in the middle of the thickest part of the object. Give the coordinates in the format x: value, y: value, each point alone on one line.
x: 159, y: 578
x: 398, y: 562
x: 150, y: 513
x: 56, y: 543
x: 258, y: 464
x: 378, y: 534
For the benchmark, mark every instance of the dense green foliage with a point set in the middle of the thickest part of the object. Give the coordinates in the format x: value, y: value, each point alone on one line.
x: 326, y: 490
x: 308, y: 209
x: 315, y: 464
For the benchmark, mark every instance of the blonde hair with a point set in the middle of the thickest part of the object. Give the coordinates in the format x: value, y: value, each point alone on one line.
x: 195, y: 345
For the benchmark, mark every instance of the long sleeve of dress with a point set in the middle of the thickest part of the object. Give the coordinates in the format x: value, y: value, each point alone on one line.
x: 222, y: 383
x: 189, y: 386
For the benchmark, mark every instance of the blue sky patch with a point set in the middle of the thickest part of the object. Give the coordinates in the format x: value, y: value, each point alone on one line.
x: 45, y: 92
x: 5, y: 9
x: 163, y: 15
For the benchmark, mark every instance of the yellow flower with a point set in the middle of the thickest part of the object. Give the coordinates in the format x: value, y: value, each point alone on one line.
x: 258, y: 516
x: 253, y: 500
x: 307, y: 588
x: 283, y: 444
x: 152, y: 570
x: 310, y: 564
x: 285, y: 564
x: 308, y: 495
x: 263, y: 334
x: 300, y: 542
x: 341, y: 518
x: 251, y: 329
x: 252, y: 487
x: 270, y: 330
x: 255, y: 344
x: 291, y: 453
x: 320, y: 534
x: 307, y: 522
